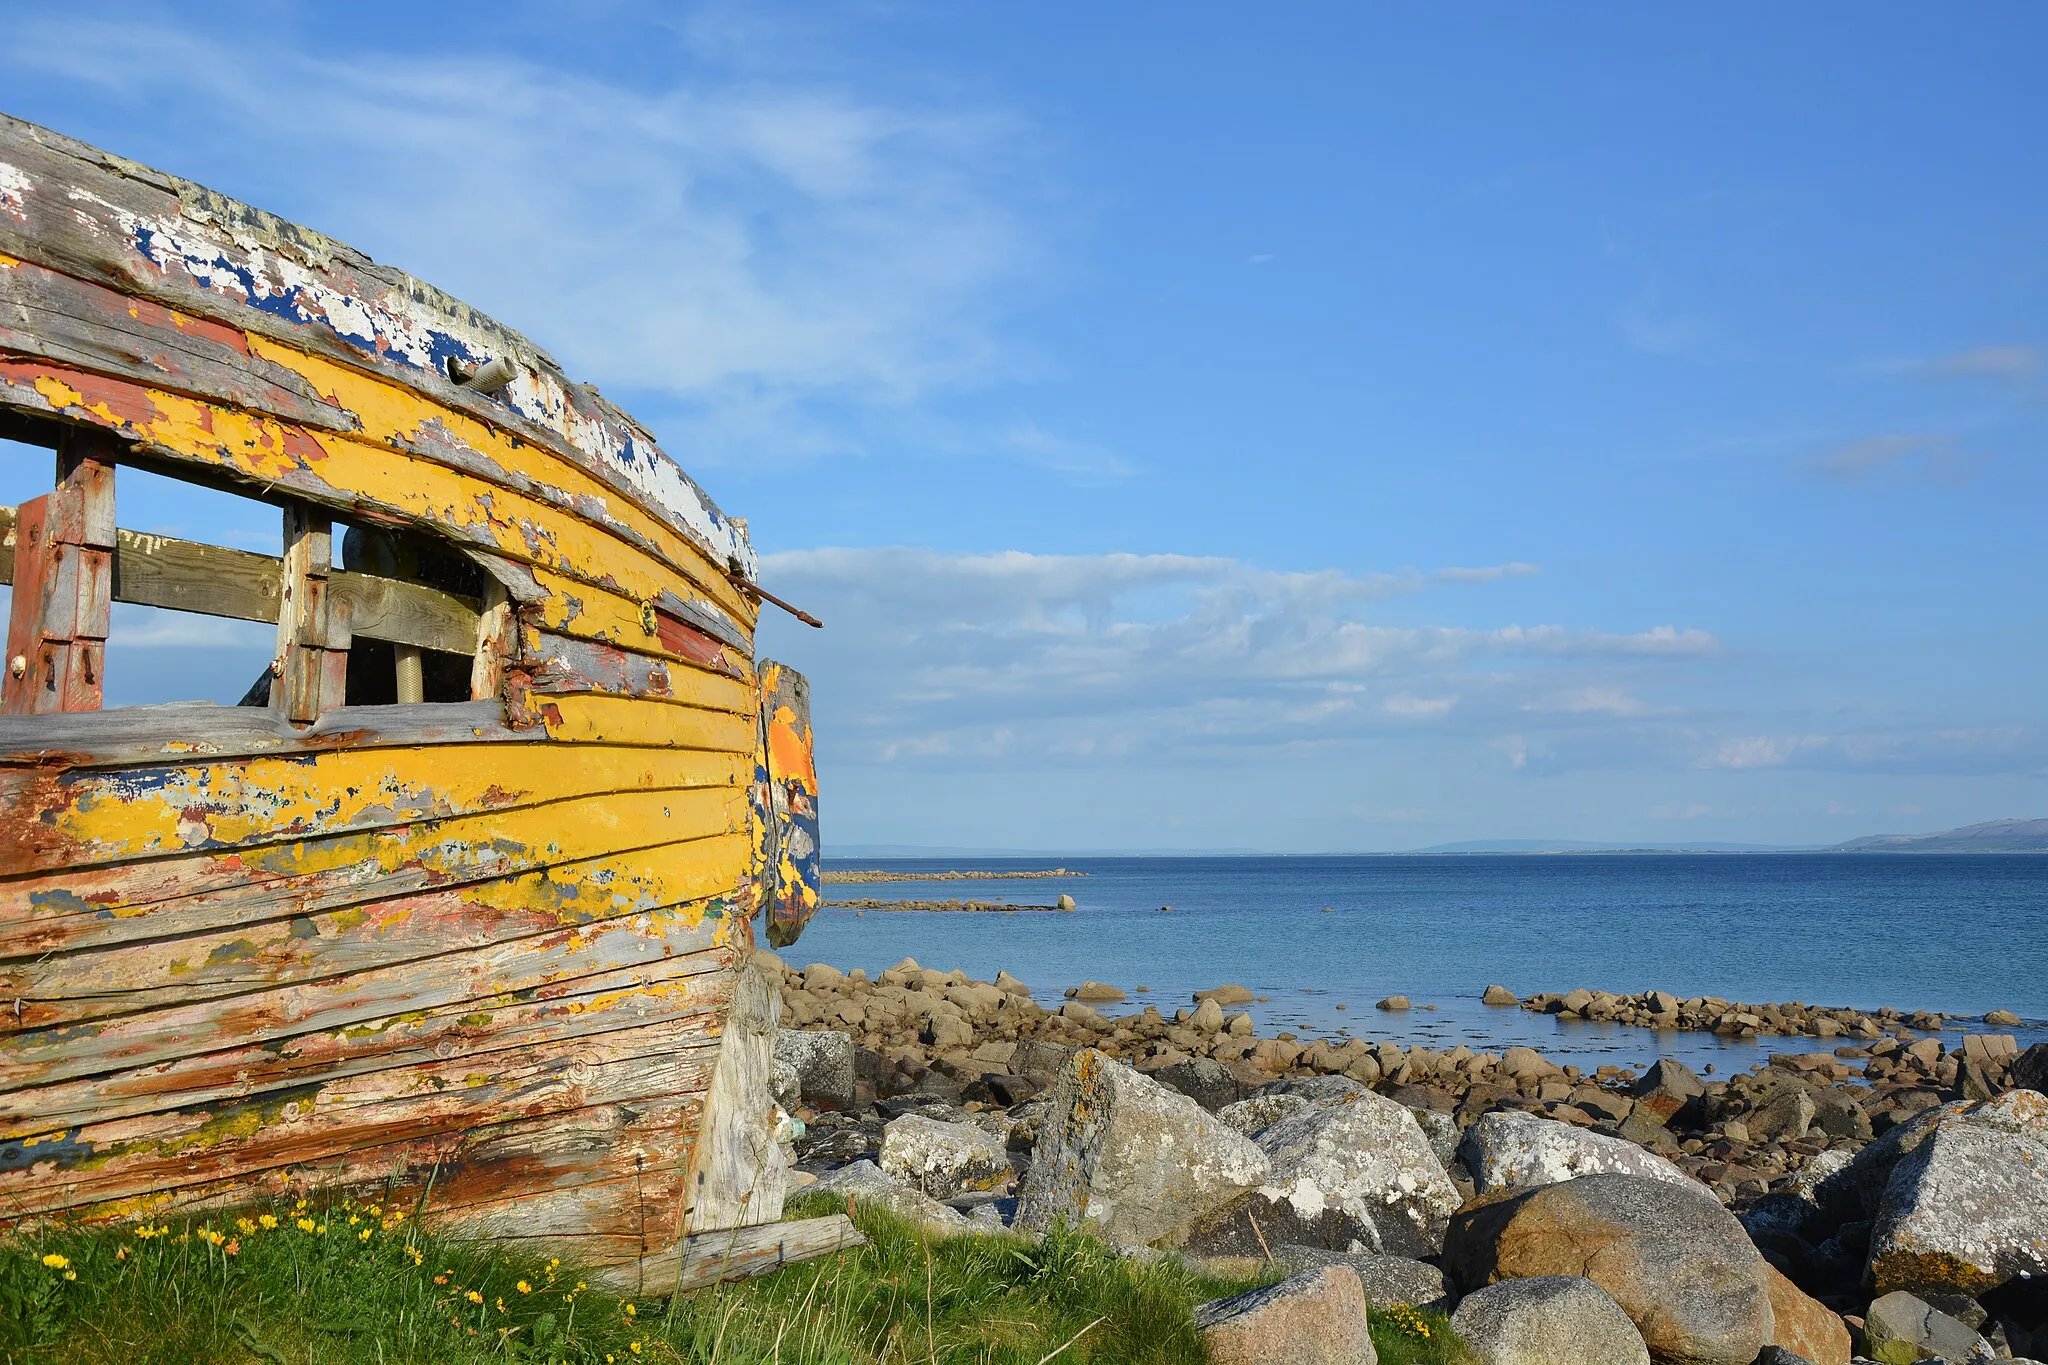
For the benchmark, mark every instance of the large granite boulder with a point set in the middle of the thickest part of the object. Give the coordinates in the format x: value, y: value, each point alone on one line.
x: 1803, y: 1325
x: 944, y: 1160
x: 1388, y: 1280
x: 1315, y: 1318
x: 1678, y: 1263
x: 864, y: 1182
x: 1357, y: 1171
x: 1966, y: 1208
x: 1202, y: 1079
x: 823, y: 1062
x: 1510, y: 1150
x: 1900, y: 1329
x: 1547, y: 1320
x: 1140, y: 1161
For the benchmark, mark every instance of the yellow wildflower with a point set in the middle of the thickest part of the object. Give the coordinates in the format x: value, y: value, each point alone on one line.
x: 474, y: 1297
x: 245, y: 1226
x: 305, y: 1225
x: 56, y: 1262
x: 364, y: 1235
x: 634, y: 1347
x: 631, y: 1311
x: 70, y: 1274
x: 266, y: 1221
x: 524, y: 1287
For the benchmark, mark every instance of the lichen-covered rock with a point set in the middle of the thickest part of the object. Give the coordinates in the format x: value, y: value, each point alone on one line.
x: 1511, y: 1150
x: 1387, y: 1280
x: 823, y: 1061
x: 1138, y: 1160
x: 1547, y: 1320
x: 1803, y: 1325
x: 1966, y: 1208
x: 1315, y: 1318
x: 944, y: 1160
x: 1442, y: 1133
x: 1261, y: 1111
x: 1354, y: 1171
x: 1900, y: 1329
x: 1678, y: 1263
x: 864, y: 1181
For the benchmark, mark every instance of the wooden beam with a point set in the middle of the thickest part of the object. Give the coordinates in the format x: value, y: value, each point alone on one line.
x: 185, y: 575
x: 706, y: 1259
x: 309, y: 674
x: 185, y: 731
x: 57, y: 618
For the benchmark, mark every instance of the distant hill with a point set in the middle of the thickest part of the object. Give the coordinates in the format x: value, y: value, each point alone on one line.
x: 1584, y: 846
x: 1993, y: 836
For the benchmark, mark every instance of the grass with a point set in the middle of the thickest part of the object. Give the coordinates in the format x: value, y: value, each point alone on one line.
x: 305, y: 1283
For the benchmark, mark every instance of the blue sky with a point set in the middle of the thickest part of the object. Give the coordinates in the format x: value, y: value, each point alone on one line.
x: 1318, y: 427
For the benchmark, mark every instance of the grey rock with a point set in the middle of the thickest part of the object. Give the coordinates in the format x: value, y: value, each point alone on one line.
x: 1678, y: 1263
x: 1512, y: 1150
x: 941, y: 1159
x: 2030, y: 1068
x: 785, y: 1084
x: 1901, y: 1328
x: 1442, y: 1132
x: 1388, y: 1280
x: 864, y: 1181
x: 1964, y: 1210
x: 1315, y: 1318
x: 1784, y: 1116
x: 1778, y: 1355
x: 823, y: 1062
x: 1038, y: 1061
x: 1548, y: 1320
x: 1356, y: 1171
x: 1499, y: 995
x: 1205, y: 1081
x: 1137, y: 1159
x: 1261, y: 1111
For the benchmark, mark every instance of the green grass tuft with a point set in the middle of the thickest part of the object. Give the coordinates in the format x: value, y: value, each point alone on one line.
x: 344, y: 1283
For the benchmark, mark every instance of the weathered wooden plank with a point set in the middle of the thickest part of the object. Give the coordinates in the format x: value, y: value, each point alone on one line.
x: 82, y: 817
x: 577, y: 608
x: 187, y: 730
x: 90, y: 327
x: 67, y: 989
x: 310, y: 668
x: 71, y: 909
x: 44, y: 1056
x: 191, y: 249
x: 705, y: 1259
x: 150, y: 1153
x: 558, y: 1012
x: 571, y: 665
x: 592, y: 718
x: 185, y: 575
x: 352, y: 475
x: 738, y: 1173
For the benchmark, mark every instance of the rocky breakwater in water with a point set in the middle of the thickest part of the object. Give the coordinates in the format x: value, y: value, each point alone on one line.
x: 1734, y: 1019
x: 1887, y: 1187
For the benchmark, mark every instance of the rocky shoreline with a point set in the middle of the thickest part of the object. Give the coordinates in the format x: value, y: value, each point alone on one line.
x: 1707, y: 1014
x: 969, y: 1105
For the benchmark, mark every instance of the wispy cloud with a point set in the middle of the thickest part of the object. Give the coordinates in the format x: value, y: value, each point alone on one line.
x: 2002, y: 364
x: 1915, y: 456
x: 1486, y: 574
x: 739, y: 241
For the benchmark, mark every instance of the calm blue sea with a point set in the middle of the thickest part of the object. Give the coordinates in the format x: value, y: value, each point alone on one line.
x: 1325, y: 937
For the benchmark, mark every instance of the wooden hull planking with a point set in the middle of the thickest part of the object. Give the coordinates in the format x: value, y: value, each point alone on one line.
x: 496, y: 956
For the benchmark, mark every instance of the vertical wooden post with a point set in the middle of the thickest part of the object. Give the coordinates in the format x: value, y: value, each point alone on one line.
x: 496, y: 638
x: 311, y: 667
x: 63, y: 585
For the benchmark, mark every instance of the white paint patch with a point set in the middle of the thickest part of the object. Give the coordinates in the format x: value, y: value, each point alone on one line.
x: 14, y: 191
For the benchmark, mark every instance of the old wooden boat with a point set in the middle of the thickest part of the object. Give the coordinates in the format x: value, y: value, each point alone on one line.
x: 459, y: 905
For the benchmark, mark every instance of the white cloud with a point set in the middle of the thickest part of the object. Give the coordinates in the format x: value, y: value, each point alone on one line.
x: 1918, y: 456
x: 925, y: 655
x: 1489, y: 573
x: 740, y: 241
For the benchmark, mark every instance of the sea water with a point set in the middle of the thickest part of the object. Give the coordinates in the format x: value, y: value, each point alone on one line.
x: 1324, y: 938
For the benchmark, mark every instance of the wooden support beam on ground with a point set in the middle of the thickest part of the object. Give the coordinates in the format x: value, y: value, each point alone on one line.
x: 708, y: 1258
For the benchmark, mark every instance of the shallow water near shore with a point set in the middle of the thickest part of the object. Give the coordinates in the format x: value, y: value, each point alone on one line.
x: 1961, y: 934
